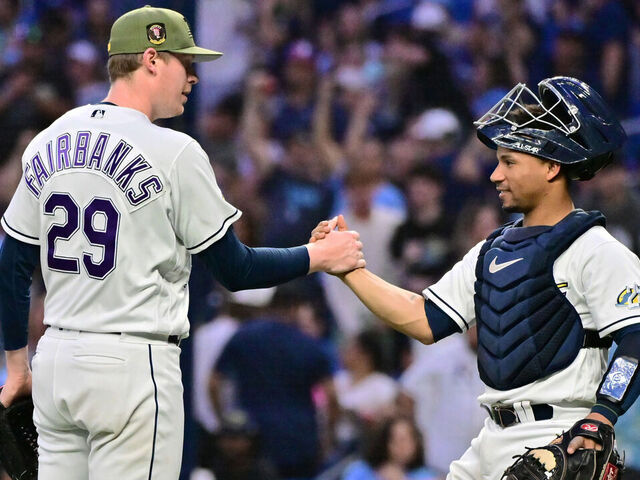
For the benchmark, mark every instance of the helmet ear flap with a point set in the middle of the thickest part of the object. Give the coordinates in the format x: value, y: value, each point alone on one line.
x: 587, y: 170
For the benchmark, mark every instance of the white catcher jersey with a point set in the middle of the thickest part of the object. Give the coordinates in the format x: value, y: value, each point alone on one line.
x: 598, y: 275
x: 117, y: 205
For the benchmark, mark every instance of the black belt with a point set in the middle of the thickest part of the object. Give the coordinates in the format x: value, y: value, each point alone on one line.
x: 593, y: 340
x: 505, y: 415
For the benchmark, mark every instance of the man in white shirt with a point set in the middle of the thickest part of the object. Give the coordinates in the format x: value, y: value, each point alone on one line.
x: 548, y: 293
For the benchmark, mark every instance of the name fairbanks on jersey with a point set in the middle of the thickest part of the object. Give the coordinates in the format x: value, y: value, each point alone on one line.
x: 98, y: 152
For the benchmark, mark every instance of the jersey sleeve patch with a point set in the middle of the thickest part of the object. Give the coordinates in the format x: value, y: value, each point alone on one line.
x: 619, y: 377
x: 629, y: 297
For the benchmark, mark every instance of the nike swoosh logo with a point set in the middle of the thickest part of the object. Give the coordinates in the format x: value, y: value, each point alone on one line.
x: 495, y: 267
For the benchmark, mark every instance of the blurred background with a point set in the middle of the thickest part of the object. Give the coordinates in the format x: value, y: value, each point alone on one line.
x: 319, y: 107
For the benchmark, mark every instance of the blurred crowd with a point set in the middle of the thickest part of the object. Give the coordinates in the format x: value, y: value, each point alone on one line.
x: 320, y: 107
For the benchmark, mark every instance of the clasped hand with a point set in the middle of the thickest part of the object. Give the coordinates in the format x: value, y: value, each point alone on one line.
x: 337, y: 253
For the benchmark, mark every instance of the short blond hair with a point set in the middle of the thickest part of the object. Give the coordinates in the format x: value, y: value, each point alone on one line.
x: 124, y: 64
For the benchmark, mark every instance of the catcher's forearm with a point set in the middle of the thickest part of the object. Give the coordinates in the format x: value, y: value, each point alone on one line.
x: 400, y: 309
x: 620, y: 386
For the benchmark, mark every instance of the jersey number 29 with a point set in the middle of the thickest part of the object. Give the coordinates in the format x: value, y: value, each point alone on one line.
x: 105, y: 237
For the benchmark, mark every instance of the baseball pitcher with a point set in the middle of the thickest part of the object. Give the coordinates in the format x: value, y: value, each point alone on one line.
x: 113, y: 207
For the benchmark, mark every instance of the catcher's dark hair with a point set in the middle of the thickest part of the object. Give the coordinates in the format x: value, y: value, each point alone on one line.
x: 377, y: 448
x: 520, y: 116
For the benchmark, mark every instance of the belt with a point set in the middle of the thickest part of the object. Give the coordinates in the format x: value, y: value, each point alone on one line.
x: 593, y: 340
x: 174, y: 339
x: 507, y: 415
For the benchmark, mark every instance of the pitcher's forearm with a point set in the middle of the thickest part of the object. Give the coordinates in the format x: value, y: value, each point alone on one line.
x: 401, y: 309
x: 17, y: 361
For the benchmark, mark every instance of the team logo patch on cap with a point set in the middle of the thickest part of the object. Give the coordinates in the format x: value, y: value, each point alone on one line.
x: 156, y: 33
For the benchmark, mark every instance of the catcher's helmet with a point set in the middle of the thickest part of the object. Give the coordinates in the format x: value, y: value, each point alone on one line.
x: 567, y: 122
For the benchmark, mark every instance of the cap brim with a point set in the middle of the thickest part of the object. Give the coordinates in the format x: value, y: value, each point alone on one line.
x: 200, y: 54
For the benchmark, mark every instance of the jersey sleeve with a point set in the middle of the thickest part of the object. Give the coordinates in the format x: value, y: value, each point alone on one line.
x: 201, y: 215
x: 611, y: 284
x: 453, y: 293
x: 22, y: 218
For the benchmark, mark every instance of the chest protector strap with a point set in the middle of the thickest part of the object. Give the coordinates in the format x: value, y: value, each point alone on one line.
x: 527, y: 329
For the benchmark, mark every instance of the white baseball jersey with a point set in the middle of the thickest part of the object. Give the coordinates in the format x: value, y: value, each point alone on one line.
x: 598, y: 275
x: 117, y: 205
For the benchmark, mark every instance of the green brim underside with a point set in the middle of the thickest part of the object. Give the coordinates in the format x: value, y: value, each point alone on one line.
x: 200, y: 54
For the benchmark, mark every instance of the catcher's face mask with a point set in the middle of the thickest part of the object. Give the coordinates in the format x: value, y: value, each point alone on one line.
x: 522, y: 98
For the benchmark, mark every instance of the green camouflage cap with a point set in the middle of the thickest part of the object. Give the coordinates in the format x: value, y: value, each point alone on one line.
x: 159, y: 28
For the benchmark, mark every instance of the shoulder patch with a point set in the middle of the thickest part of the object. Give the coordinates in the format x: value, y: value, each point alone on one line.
x: 629, y: 297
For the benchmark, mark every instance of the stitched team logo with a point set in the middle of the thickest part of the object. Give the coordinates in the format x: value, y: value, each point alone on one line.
x: 629, y: 297
x: 156, y: 33
x: 589, y: 427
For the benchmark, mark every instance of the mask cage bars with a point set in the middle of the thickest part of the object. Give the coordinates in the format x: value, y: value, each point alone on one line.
x: 521, y: 97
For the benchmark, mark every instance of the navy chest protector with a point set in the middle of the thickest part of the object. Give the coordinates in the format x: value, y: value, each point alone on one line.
x: 527, y: 329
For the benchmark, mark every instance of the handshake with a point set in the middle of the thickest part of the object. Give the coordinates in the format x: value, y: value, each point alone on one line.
x: 334, y: 251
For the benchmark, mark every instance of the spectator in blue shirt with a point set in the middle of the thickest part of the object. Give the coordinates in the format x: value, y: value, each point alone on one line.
x: 275, y: 368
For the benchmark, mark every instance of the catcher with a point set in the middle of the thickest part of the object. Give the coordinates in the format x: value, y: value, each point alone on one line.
x: 548, y: 293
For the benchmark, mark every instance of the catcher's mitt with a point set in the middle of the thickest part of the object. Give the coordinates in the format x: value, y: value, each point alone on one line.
x: 19, y: 440
x: 552, y: 462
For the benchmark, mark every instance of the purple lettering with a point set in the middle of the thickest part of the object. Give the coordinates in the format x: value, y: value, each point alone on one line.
x: 29, y: 180
x: 138, y: 164
x: 82, y: 145
x: 145, y: 193
x: 98, y: 151
x: 64, y: 144
x: 115, y: 158
x: 52, y: 167
x: 38, y: 169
